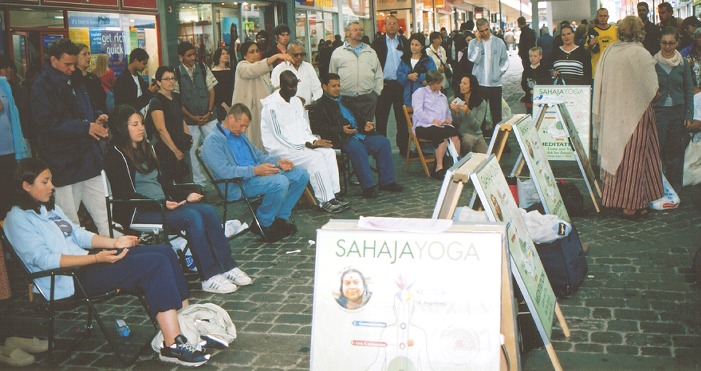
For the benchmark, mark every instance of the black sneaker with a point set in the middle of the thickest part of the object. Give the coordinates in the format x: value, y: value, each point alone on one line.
x: 392, y: 187
x: 183, y: 353
x: 370, y: 192
x: 285, y: 227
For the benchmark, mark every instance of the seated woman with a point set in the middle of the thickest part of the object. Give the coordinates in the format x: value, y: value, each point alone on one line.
x: 132, y: 169
x: 432, y: 119
x: 165, y: 118
x: 45, y: 238
x: 469, y: 115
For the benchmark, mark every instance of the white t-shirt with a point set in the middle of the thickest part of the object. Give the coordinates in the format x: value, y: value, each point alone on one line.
x: 414, y: 62
x: 138, y: 86
x: 487, y: 44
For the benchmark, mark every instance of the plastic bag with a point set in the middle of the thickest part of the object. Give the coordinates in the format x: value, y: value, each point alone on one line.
x: 692, y: 161
x: 670, y: 200
x: 545, y: 228
x: 527, y: 193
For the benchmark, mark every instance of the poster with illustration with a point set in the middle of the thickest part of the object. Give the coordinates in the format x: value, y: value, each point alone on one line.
x: 530, y: 275
x: 387, y: 300
x: 551, y: 132
x: 540, y: 170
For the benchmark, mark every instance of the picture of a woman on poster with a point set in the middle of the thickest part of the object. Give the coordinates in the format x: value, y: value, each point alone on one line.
x: 353, y: 289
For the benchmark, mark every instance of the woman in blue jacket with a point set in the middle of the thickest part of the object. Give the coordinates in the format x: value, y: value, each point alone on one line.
x: 45, y: 238
x: 413, y: 67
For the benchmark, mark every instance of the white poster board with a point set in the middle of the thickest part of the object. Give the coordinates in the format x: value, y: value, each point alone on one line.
x: 497, y: 200
x: 407, y: 301
x: 578, y: 101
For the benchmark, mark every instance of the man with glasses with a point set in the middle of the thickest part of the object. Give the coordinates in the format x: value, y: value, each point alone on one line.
x: 309, y: 87
x: 490, y: 63
x: 389, y: 49
x: 602, y: 35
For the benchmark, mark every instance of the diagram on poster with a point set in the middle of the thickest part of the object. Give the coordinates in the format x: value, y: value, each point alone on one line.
x: 500, y: 205
x: 540, y: 170
x: 551, y: 131
x: 404, y: 301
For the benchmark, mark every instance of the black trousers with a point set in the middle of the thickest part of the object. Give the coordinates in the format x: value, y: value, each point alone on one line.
x: 492, y: 94
x: 392, y: 96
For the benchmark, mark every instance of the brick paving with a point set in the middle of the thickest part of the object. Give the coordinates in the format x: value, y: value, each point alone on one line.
x: 638, y: 309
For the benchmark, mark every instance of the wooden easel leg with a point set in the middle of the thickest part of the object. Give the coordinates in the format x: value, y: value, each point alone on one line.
x: 561, y: 320
x: 553, y: 357
x: 593, y: 199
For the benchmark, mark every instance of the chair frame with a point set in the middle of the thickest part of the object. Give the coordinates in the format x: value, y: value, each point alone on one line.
x: 223, y: 194
x: 408, y: 114
x: 71, y: 303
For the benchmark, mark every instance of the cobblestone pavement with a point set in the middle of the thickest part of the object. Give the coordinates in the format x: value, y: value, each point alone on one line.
x: 638, y: 309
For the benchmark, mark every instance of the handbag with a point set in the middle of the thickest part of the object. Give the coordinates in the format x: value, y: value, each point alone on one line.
x: 446, y: 68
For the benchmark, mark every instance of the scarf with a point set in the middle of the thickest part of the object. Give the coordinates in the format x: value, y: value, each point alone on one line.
x: 671, y: 62
x: 625, y: 84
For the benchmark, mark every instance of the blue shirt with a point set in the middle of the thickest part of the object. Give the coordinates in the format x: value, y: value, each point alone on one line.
x: 348, y: 115
x: 242, y: 153
x: 355, y: 50
x: 393, y: 58
x: 7, y: 145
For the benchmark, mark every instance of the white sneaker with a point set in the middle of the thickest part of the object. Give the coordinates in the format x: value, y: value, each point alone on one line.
x: 219, y: 284
x: 238, y: 277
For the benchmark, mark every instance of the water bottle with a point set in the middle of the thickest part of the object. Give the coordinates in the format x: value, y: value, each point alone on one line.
x: 122, y: 327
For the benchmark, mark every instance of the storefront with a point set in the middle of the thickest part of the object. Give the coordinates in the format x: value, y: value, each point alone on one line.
x: 398, y: 8
x: 211, y: 25
x: 111, y: 27
x: 316, y: 20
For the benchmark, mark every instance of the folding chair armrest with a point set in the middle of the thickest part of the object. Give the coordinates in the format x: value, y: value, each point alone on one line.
x: 145, y: 202
x: 183, y: 187
x: 64, y: 271
x: 228, y: 180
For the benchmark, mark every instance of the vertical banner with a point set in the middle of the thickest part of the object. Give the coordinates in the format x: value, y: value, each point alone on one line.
x: 408, y: 301
x: 526, y: 266
x: 113, y: 45
x: 540, y: 170
x: 551, y: 132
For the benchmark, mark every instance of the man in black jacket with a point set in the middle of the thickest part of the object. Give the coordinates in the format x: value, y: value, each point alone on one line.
x: 130, y: 88
x: 526, y: 42
x: 333, y: 119
x: 389, y: 49
x: 68, y: 133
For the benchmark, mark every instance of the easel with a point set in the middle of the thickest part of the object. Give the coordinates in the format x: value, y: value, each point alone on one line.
x: 446, y: 210
x: 575, y: 144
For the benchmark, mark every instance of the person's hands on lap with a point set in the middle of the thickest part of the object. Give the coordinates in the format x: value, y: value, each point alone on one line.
x: 125, y: 241
x: 194, y: 197
x: 172, y: 205
x: 110, y: 256
x: 285, y: 164
x: 369, y: 126
x: 348, y: 130
x: 265, y: 169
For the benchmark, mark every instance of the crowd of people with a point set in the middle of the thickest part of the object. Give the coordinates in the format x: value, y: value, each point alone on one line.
x: 262, y: 113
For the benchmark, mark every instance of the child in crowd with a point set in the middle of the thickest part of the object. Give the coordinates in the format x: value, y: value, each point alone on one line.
x: 536, y: 74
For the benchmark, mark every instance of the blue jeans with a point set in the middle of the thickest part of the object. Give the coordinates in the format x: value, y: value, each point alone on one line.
x: 205, y: 235
x: 378, y: 147
x: 152, y: 271
x: 673, y: 141
x: 280, y: 193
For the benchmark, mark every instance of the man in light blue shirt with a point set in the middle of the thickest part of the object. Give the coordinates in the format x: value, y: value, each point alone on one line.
x: 389, y: 48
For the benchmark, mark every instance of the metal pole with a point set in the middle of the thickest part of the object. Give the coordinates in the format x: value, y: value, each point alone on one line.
x: 501, y: 19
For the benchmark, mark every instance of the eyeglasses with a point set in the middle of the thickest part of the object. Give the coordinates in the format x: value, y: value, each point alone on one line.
x: 169, y: 79
x: 668, y: 43
x: 298, y: 55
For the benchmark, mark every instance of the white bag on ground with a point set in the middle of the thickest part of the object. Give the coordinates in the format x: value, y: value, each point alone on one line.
x: 670, y: 200
x: 466, y: 214
x: 692, y: 161
x: 527, y: 193
x: 545, y: 228
x: 201, y: 320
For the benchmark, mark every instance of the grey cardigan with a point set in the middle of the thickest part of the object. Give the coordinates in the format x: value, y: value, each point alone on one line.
x: 677, y: 85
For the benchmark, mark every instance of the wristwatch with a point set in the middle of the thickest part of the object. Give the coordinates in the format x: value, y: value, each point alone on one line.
x: 211, y: 112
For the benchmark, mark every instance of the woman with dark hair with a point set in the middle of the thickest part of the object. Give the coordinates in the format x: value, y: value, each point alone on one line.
x: 432, y: 119
x: 224, y: 90
x: 439, y: 56
x: 253, y: 84
x: 354, y: 293
x: 132, y: 169
x: 45, y: 238
x: 166, y: 125
x: 469, y: 114
x: 264, y: 43
x: 413, y: 67
x: 571, y: 62
x: 624, y: 122
x: 675, y: 109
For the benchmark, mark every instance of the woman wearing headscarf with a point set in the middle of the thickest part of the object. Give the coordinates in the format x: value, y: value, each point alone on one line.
x: 624, y: 122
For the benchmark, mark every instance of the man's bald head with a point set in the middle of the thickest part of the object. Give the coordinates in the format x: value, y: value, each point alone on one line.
x: 288, y: 84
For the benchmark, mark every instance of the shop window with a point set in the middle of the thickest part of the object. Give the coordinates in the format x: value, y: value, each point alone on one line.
x: 36, y: 18
x: 115, y: 35
x: 195, y: 25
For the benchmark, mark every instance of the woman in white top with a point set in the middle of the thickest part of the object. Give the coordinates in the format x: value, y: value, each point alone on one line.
x: 439, y: 56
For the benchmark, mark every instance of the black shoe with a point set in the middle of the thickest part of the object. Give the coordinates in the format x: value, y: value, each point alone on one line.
x: 273, y: 234
x: 440, y: 174
x: 340, y: 198
x: 255, y: 228
x: 284, y: 227
x: 392, y: 187
x: 370, y: 192
x: 183, y: 353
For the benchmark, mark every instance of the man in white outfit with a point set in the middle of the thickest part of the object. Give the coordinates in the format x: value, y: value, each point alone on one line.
x: 285, y: 132
x: 309, y: 86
